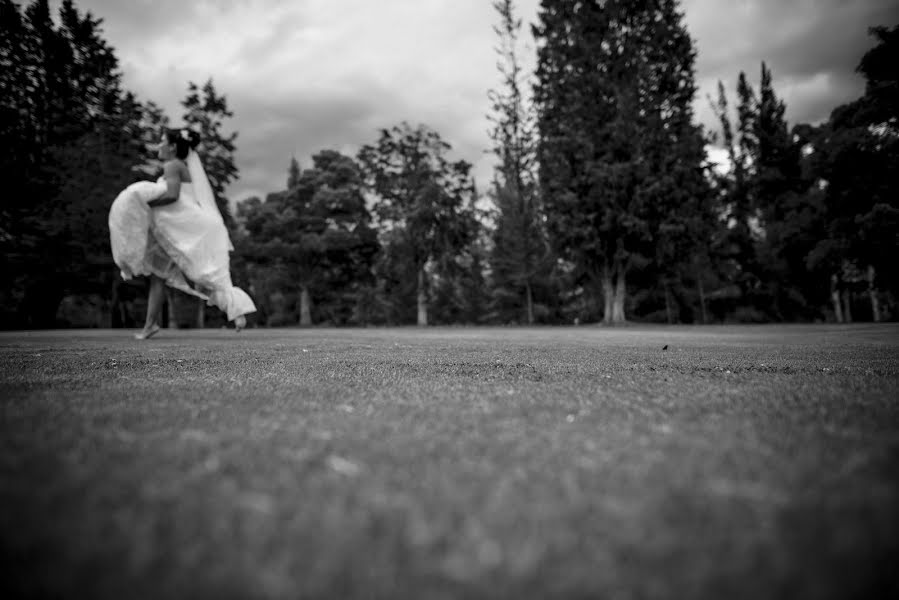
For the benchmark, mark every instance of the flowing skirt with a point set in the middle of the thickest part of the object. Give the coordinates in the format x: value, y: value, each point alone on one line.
x: 180, y: 243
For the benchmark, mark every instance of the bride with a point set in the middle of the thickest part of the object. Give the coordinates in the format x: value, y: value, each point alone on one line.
x: 173, y: 231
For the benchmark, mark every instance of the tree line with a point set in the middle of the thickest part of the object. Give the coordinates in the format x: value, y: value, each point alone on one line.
x: 604, y: 205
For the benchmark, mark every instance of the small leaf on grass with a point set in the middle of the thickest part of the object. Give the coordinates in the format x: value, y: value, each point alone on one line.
x: 343, y: 466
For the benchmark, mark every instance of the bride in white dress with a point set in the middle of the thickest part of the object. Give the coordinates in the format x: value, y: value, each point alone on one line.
x: 173, y: 231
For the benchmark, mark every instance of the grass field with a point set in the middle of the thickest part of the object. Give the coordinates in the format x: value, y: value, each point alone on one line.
x: 743, y: 462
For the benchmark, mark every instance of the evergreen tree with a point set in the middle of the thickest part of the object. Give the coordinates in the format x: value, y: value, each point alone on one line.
x: 206, y: 111
x: 519, y: 255
x: 743, y: 209
x: 619, y: 153
x: 293, y: 173
x: 18, y: 160
x: 74, y: 132
x: 153, y: 121
x: 778, y: 192
x: 762, y: 188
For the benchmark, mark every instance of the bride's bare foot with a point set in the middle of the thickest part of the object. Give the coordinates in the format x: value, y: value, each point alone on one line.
x: 240, y: 322
x: 147, y: 332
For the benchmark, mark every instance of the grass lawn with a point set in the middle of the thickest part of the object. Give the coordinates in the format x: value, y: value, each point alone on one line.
x: 741, y: 462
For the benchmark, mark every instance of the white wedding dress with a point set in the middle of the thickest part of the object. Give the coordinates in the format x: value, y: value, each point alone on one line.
x: 185, y: 243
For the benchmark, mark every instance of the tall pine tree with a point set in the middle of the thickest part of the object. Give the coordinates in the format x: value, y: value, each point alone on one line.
x: 74, y: 132
x: 293, y: 173
x: 205, y: 111
x: 762, y: 201
x: 620, y: 156
x: 519, y: 255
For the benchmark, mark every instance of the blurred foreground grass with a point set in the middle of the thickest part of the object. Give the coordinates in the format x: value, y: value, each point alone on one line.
x: 744, y: 462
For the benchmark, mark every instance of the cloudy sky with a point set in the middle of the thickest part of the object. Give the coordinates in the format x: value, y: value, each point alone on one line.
x: 305, y: 75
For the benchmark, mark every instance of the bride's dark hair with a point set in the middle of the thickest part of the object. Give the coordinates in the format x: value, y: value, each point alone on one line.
x: 184, y: 140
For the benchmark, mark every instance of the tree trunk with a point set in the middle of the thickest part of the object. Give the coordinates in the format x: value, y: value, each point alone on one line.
x: 169, y: 318
x: 608, y: 297
x: 529, y: 300
x: 305, y: 305
x: 872, y: 293
x: 201, y: 313
x: 422, y: 299
x: 835, y: 298
x: 618, y: 316
x: 847, y: 306
x: 668, y: 304
x: 702, y: 309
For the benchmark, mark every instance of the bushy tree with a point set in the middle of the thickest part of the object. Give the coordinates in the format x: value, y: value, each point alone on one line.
x: 811, y: 212
x: 855, y: 163
x: 314, y: 240
x: 424, y: 203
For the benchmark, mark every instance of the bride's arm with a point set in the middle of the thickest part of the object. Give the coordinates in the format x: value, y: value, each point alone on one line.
x: 172, y: 175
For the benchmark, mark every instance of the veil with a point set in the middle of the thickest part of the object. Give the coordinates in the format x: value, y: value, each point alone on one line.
x: 203, y: 191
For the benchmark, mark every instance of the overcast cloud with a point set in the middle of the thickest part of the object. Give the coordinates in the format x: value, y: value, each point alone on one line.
x: 306, y: 75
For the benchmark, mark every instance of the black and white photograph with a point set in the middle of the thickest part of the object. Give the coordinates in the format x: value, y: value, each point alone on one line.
x: 449, y: 299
